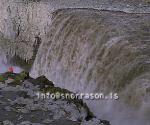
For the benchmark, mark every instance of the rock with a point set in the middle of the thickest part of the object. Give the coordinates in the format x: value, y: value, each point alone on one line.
x: 28, y: 123
x: 25, y: 123
x: 20, y: 117
x: 23, y: 94
x: 24, y: 75
x: 1, y: 123
x: 42, y: 81
x: 96, y: 121
x: 3, y: 86
x: 47, y: 121
x: 25, y: 111
x: 105, y: 122
x: 1, y: 97
x: 7, y: 108
x: 9, y: 80
x: 25, y: 102
x: 93, y: 121
x: 7, y: 122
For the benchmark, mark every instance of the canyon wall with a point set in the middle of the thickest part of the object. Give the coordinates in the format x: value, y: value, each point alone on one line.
x: 23, y: 21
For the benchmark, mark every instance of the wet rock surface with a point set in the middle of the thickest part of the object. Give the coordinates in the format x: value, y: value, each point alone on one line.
x: 19, y: 104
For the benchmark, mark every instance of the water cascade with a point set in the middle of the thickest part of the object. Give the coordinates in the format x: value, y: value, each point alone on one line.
x: 87, y: 51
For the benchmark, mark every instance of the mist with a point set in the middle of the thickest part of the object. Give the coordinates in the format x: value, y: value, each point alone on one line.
x: 4, y: 66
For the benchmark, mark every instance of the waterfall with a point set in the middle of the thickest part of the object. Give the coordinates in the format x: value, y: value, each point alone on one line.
x: 23, y: 20
x: 87, y: 50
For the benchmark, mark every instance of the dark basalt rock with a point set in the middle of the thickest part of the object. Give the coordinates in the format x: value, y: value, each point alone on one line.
x: 45, y: 86
x: 78, y: 102
x: 23, y: 94
x: 105, y: 122
x: 43, y: 82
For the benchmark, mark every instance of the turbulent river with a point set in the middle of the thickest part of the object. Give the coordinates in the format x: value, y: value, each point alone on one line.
x: 85, y: 50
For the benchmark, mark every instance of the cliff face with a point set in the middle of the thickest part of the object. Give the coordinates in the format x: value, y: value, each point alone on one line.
x: 23, y: 21
x: 21, y: 24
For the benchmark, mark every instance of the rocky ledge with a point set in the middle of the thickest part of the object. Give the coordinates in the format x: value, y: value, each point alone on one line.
x: 20, y: 105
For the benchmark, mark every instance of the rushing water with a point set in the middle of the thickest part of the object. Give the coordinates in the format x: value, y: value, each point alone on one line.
x: 87, y: 51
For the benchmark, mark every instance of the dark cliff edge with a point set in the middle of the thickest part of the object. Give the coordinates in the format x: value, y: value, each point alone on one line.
x: 18, y: 91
